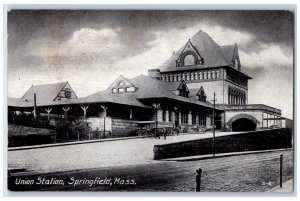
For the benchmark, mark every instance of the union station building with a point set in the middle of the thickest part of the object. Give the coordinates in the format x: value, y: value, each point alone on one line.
x: 179, y: 93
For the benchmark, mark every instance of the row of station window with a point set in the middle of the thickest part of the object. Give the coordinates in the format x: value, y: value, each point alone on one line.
x: 202, y: 75
x: 184, y: 117
x: 269, y: 120
x: 236, y: 96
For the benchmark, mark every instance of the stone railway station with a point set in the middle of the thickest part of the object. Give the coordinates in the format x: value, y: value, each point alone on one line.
x: 179, y: 93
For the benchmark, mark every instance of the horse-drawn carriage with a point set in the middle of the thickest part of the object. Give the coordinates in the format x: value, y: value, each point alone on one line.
x: 201, y: 129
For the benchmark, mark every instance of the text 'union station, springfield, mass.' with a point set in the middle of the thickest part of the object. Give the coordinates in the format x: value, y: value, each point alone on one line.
x: 179, y: 93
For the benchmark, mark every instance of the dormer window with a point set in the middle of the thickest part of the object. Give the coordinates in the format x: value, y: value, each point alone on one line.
x: 184, y: 93
x: 122, y: 85
x: 201, y: 95
x: 189, y: 56
x: 67, y: 93
x: 130, y: 89
x: 183, y: 90
x: 121, y: 90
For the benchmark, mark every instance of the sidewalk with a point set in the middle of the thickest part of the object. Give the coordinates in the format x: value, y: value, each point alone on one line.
x: 219, y: 155
x: 170, y: 139
x: 287, y: 187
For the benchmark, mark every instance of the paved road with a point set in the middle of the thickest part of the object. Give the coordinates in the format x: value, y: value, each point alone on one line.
x: 93, y: 155
x: 253, y: 172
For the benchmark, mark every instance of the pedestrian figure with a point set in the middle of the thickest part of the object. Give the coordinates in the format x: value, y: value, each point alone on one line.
x: 165, y: 134
x: 178, y: 129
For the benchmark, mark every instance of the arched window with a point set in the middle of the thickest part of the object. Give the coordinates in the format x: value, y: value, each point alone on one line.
x: 189, y: 60
x: 121, y: 84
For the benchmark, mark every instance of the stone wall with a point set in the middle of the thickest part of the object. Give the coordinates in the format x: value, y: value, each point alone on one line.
x: 123, y: 127
x: 247, y: 141
x: 117, y: 127
x: 258, y: 114
x: 97, y: 123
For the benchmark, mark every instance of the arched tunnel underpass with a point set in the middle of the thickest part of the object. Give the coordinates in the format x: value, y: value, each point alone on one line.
x: 243, y: 124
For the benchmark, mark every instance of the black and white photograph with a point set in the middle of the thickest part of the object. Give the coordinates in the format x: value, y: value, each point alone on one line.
x: 115, y: 100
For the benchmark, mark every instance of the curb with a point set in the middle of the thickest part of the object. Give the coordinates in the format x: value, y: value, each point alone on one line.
x: 71, y: 143
x: 204, y: 157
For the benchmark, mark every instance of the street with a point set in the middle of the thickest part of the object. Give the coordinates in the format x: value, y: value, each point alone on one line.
x: 248, y: 173
x: 94, y: 155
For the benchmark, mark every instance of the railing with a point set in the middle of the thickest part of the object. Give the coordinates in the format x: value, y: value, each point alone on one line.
x: 253, y: 107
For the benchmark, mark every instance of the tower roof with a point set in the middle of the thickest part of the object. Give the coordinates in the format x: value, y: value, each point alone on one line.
x: 213, y: 54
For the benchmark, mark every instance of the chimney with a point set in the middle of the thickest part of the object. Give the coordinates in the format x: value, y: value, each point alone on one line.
x: 155, y: 73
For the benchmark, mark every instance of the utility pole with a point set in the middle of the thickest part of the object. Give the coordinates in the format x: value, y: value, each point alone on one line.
x: 104, y: 107
x: 213, y: 124
x: 34, y: 106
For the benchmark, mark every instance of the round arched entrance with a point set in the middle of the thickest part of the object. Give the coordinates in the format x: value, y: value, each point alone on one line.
x: 243, y: 122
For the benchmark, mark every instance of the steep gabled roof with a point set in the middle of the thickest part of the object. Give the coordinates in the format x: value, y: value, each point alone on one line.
x: 149, y: 87
x: 146, y: 88
x: 45, y: 92
x: 106, y: 96
x: 206, y: 47
x: 121, y: 78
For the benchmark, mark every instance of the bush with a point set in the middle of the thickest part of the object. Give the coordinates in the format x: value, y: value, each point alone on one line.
x: 79, y: 127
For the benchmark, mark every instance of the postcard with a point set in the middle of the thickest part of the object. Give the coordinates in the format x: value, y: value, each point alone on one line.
x: 150, y: 100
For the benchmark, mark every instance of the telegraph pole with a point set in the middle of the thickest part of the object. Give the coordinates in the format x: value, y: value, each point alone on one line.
x: 213, y: 124
x: 34, y: 106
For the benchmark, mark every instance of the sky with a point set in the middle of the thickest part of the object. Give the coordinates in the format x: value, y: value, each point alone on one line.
x: 91, y: 48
